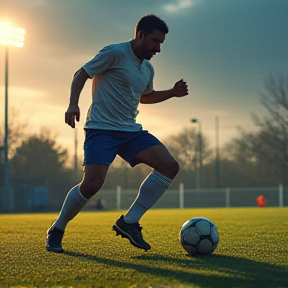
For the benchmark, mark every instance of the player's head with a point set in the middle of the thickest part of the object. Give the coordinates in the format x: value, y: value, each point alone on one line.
x: 150, y: 32
x: 150, y: 22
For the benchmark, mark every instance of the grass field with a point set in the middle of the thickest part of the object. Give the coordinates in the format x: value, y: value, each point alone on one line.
x: 252, y: 252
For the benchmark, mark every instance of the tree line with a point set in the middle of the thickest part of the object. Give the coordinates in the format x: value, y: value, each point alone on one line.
x: 252, y: 159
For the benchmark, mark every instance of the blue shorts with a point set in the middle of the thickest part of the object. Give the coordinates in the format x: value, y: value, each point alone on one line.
x: 102, y: 146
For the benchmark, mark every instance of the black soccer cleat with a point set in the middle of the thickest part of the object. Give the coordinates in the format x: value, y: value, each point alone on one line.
x: 54, y: 239
x: 131, y: 232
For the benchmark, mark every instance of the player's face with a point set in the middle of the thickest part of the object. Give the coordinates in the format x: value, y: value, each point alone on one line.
x: 150, y: 44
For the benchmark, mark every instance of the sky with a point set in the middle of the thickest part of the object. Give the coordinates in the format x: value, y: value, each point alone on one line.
x: 223, y: 49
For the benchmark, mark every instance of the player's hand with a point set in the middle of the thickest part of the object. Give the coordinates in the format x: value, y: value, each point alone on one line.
x: 180, y: 88
x: 72, y: 113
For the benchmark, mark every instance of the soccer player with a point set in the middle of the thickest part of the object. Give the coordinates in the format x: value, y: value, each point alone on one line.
x: 122, y: 77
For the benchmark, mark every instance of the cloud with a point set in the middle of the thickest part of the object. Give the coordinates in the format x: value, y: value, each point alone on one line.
x: 179, y: 5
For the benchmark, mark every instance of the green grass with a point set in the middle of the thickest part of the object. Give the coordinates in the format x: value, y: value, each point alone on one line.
x: 252, y: 252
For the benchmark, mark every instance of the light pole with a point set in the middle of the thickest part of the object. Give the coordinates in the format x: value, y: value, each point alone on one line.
x: 9, y: 36
x: 199, y: 168
x: 217, y: 152
x: 76, y: 154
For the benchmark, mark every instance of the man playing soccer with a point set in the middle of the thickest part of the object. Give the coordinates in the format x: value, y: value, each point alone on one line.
x: 122, y: 77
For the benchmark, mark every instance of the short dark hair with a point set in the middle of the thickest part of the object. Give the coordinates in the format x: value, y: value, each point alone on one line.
x: 150, y: 22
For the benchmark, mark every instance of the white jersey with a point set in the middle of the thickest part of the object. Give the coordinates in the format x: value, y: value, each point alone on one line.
x: 118, y: 83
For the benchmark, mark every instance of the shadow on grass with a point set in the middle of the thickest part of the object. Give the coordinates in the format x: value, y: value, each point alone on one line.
x: 206, y: 271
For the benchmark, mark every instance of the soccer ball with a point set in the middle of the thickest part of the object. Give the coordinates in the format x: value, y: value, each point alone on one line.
x: 199, y: 236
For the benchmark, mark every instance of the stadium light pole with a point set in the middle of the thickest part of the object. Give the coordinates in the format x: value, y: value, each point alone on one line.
x: 76, y: 154
x: 217, y: 152
x: 9, y: 36
x: 199, y: 170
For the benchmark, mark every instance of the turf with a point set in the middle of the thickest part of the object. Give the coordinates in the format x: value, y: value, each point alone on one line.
x: 252, y: 252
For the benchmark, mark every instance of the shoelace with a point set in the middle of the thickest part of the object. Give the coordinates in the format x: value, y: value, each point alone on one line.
x: 136, y: 226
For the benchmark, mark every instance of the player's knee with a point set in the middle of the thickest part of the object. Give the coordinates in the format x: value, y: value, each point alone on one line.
x: 89, y: 188
x: 175, y: 168
x: 171, y: 169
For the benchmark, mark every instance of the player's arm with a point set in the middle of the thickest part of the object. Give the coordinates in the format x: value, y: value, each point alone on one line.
x: 73, y: 111
x: 180, y: 89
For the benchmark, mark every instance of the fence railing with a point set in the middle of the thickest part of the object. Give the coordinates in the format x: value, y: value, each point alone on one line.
x: 115, y: 199
x: 192, y: 198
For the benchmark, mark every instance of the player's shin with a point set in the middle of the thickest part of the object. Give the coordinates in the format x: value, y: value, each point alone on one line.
x: 73, y: 204
x: 152, y: 188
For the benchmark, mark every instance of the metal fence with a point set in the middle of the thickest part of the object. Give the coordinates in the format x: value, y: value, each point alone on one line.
x: 24, y: 199
x: 37, y: 198
x: 193, y: 198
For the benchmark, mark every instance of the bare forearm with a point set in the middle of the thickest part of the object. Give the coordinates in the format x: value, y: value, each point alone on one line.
x: 180, y: 89
x: 157, y: 96
x: 73, y: 111
x: 77, y: 85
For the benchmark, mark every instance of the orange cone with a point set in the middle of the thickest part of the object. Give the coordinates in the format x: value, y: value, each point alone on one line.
x: 261, y: 201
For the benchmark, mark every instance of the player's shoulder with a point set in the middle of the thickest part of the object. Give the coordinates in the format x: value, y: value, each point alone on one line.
x: 117, y: 47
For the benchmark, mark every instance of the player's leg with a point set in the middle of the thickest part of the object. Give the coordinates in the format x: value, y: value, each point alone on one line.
x: 153, y: 153
x: 93, y: 179
x: 98, y: 155
x: 159, y: 158
x: 76, y: 199
x: 156, y: 183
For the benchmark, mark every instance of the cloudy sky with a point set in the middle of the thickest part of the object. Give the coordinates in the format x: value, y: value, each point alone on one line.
x: 224, y: 49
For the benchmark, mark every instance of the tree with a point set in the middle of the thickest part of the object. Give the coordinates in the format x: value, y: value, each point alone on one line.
x: 16, y: 133
x: 16, y: 130
x: 184, y: 146
x: 39, y: 161
x: 262, y: 155
x: 274, y: 126
x: 242, y: 165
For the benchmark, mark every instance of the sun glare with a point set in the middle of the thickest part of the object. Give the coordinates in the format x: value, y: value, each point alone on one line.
x: 11, y: 36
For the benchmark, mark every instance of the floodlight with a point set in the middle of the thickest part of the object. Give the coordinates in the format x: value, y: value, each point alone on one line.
x: 11, y: 36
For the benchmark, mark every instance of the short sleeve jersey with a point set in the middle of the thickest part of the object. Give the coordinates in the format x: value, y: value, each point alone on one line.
x: 118, y: 82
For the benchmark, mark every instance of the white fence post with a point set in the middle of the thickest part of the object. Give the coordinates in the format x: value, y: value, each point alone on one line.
x: 181, y: 195
x: 227, y: 197
x: 281, y: 196
x: 118, y: 197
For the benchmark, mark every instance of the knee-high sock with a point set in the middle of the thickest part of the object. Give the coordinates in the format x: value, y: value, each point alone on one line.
x: 151, y: 189
x: 73, y: 204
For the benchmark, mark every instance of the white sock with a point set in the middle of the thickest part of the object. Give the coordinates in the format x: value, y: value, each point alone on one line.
x: 151, y: 189
x: 73, y: 204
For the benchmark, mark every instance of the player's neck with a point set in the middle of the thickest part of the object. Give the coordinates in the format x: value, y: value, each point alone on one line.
x: 136, y: 50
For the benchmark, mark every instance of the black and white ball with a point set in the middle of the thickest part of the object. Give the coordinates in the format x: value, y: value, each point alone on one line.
x: 199, y: 236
